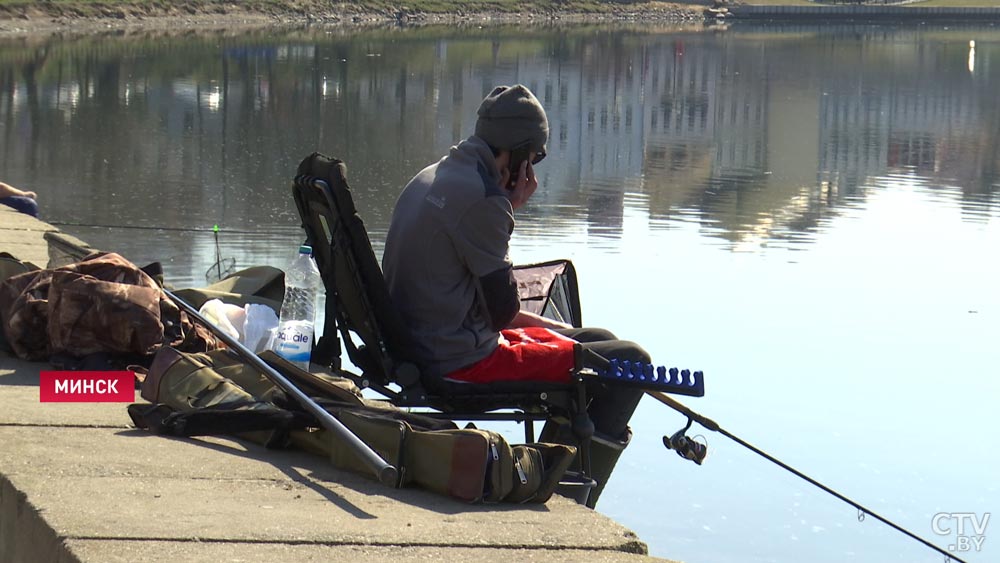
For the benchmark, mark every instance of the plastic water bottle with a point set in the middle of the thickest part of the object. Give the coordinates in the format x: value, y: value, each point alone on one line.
x: 294, y: 335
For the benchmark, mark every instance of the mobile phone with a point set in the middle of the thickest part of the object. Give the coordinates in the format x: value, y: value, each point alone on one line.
x: 517, y: 156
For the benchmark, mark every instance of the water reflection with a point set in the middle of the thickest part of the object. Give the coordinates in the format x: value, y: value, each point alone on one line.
x: 755, y: 138
x: 849, y: 174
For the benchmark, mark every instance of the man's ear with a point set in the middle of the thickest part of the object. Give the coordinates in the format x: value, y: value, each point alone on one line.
x: 504, y: 177
x: 502, y: 159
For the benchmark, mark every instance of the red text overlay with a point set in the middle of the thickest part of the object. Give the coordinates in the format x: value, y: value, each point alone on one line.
x: 86, y: 387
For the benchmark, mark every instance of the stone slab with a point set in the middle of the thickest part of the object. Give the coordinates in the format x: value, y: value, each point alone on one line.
x: 10, y: 219
x: 19, y: 392
x: 131, y: 452
x: 273, y: 511
x: 13, y: 243
x: 224, y: 490
x: 201, y: 552
x: 23, y: 236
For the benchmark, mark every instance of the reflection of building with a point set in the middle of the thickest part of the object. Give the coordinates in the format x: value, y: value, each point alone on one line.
x: 854, y: 133
x: 909, y: 120
x: 758, y: 136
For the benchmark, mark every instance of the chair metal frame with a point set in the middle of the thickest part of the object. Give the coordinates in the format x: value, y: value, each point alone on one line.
x: 358, y: 307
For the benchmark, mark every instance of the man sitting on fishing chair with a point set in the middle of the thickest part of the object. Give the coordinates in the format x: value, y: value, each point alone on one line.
x: 448, y: 270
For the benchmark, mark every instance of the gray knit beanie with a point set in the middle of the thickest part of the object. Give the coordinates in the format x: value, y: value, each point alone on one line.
x: 511, y: 116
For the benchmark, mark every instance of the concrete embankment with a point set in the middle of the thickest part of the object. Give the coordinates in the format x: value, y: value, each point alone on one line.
x: 78, y: 484
x: 860, y: 13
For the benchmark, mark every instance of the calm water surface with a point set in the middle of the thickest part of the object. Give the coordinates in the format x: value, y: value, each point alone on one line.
x: 809, y: 215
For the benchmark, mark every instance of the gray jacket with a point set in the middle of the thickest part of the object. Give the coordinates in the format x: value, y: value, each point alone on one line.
x: 446, y: 259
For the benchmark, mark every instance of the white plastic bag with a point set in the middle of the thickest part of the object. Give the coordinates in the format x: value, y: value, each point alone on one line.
x: 258, y: 327
x: 251, y: 324
x: 229, y: 318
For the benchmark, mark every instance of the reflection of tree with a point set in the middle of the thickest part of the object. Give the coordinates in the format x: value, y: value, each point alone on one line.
x: 29, y: 70
x: 681, y: 171
x: 8, y: 86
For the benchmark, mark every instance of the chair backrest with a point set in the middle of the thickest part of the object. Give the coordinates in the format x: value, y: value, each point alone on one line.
x: 351, y: 273
x: 550, y: 289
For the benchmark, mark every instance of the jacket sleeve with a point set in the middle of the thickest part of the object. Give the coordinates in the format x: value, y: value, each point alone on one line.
x: 482, y: 239
x: 500, y: 298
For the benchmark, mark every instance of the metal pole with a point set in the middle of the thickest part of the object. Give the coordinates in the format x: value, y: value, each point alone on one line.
x: 387, y: 474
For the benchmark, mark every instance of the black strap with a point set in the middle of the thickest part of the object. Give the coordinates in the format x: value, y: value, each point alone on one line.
x: 327, y: 349
x: 234, y: 418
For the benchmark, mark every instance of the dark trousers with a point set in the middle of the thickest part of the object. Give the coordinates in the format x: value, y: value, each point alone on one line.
x: 21, y: 203
x: 610, y: 407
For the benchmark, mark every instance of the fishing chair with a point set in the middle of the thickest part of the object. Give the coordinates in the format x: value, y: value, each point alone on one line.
x: 359, y: 312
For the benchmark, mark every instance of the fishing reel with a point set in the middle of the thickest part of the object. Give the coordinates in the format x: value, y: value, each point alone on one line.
x: 685, y: 446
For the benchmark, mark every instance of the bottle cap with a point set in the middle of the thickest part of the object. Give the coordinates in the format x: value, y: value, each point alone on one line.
x: 305, y: 249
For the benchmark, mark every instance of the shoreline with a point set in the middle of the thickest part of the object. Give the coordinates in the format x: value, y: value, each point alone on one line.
x: 81, y: 18
x: 86, y: 18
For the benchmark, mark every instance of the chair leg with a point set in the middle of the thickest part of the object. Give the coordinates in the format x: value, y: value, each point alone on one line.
x: 605, y: 453
x: 583, y: 429
x: 578, y: 431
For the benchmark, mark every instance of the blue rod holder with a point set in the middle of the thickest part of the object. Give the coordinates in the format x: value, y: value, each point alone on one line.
x: 659, y: 378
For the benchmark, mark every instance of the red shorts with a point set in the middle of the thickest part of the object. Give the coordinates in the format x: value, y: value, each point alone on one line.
x: 524, y: 354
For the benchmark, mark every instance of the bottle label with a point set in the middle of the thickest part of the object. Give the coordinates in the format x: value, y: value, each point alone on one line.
x: 293, y: 341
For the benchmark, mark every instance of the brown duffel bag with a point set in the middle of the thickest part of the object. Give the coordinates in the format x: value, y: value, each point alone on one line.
x: 103, y: 303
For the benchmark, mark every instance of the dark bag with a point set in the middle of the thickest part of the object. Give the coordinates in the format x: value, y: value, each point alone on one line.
x: 185, y: 381
x: 206, y: 394
x: 383, y: 434
x: 551, y: 463
x: 248, y: 418
x: 24, y: 313
x: 470, y: 464
x: 10, y: 267
x: 258, y: 284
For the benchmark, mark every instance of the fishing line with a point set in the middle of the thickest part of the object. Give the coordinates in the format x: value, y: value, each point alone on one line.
x: 222, y: 267
x: 710, y: 424
x: 229, y: 263
x: 162, y: 228
x: 218, y: 251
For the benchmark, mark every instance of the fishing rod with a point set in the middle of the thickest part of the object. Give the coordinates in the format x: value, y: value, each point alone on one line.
x: 689, y: 449
x: 385, y: 472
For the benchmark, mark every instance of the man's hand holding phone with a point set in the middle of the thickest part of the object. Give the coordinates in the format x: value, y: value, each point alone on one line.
x: 520, y: 189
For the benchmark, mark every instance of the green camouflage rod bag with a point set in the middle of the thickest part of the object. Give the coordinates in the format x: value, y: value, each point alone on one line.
x: 215, y: 394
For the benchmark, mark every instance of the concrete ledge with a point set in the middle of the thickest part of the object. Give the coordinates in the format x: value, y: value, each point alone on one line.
x: 79, y: 485
x: 38, y: 242
x: 22, y: 236
x: 202, y: 552
x: 24, y: 534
